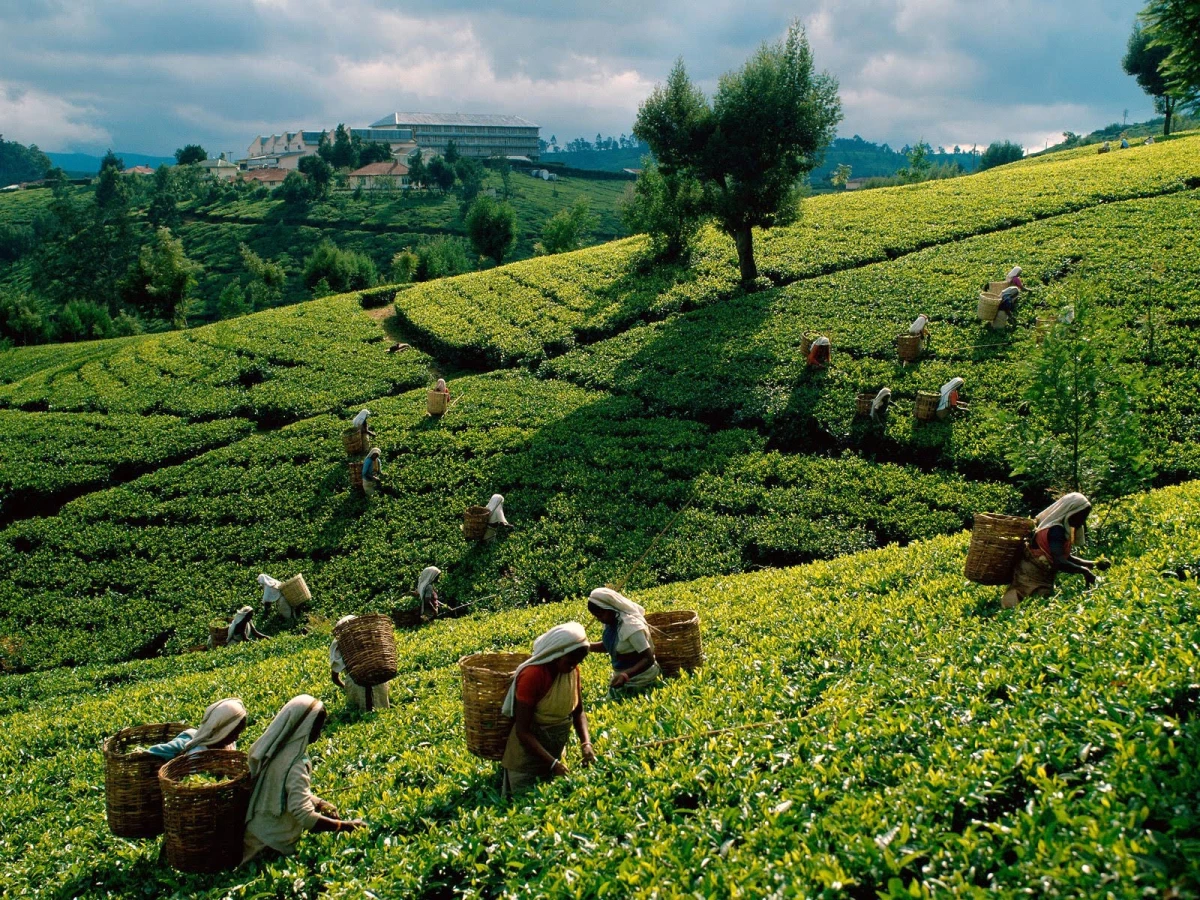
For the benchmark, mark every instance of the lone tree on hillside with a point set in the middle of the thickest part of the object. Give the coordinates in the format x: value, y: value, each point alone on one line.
x: 1144, y: 62
x: 1174, y: 25
x: 191, y: 153
x: 1000, y: 153
x: 492, y: 228
x: 768, y: 124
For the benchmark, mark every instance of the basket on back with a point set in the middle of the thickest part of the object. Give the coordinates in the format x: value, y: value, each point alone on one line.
x: 355, y: 474
x: 806, y: 342
x: 908, y: 347
x: 485, y: 681
x: 475, y: 522
x: 989, y: 306
x: 676, y: 636
x: 926, y: 406
x: 218, y: 633
x: 205, y: 824
x: 997, y: 287
x: 863, y: 403
x: 355, y: 441
x: 997, y: 543
x: 436, y: 402
x: 295, y: 591
x: 368, y: 647
x: 132, y: 797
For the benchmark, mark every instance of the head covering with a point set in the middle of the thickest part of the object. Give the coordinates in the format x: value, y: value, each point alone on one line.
x: 361, y: 419
x: 496, y: 508
x: 270, y: 588
x: 428, y: 578
x: 947, y: 389
x: 1058, y: 512
x: 880, y: 404
x: 1014, y: 272
x: 238, y: 620
x: 558, y: 641
x: 631, y: 618
x: 918, y: 325
x: 336, y: 662
x: 441, y: 385
x: 218, y: 723
x: 281, y: 746
x: 821, y: 341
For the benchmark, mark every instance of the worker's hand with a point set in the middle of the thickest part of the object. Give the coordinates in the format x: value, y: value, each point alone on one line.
x: 325, y: 808
x: 351, y: 824
x: 559, y: 769
x: 619, y: 679
x: 589, y: 755
x: 1089, y: 578
x: 1103, y: 565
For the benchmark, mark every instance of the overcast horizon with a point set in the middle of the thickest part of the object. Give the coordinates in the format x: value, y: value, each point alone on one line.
x: 146, y: 77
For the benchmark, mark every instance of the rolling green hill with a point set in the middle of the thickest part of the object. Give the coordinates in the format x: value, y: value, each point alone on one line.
x: 914, y: 739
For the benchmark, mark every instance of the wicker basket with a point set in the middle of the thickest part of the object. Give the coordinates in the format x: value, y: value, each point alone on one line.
x: 295, y: 591
x: 997, y: 543
x: 436, y: 402
x: 205, y: 823
x: 475, y: 522
x: 368, y: 646
x: 926, y: 406
x: 997, y: 287
x: 908, y: 347
x: 485, y: 681
x: 355, y: 441
x: 989, y: 305
x: 218, y: 634
x: 132, y: 798
x: 676, y: 635
x: 806, y: 342
x: 862, y: 405
x: 355, y: 474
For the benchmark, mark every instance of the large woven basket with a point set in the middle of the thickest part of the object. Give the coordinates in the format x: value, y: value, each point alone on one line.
x: 355, y: 441
x: 355, y: 474
x: 205, y: 824
x: 132, y: 798
x: 475, y: 522
x: 862, y: 405
x: 989, y: 305
x: 676, y: 635
x: 806, y: 342
x: 926, y: 406
x: 436, y: 402
x: 997, y: 543
x: 908, y: 347
x: 485, y: 681
x: 295, y: 591
x: 997, y: 287
x: 218, y: 634
x: 368, y: 646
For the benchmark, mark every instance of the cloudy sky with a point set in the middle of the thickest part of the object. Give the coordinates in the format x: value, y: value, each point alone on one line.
x: 151, y: 75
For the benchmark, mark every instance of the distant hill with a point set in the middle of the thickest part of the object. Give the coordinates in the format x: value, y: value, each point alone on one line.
x: 1133, y: 131
x: 84, y: 164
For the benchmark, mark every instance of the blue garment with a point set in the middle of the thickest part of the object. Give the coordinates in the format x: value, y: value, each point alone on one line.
x: 172, y: 748
x: 366, y: 468
x: 611, y: 634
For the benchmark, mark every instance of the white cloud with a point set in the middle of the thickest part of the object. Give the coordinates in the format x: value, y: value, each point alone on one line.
x: 33, y: 117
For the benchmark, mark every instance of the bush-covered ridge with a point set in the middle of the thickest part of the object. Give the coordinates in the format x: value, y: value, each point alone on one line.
x: 927, y: 743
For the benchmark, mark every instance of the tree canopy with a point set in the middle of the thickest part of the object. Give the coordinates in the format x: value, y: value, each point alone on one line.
x: 1174, y: 25
x: 492, y: 228
x: 190, y: 153
x: 1144, y: 61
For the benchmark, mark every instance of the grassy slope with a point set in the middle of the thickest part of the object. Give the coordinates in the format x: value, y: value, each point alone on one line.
x: 933, y: 743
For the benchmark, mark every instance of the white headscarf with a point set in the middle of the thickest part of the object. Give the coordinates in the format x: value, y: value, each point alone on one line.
x: 361, y: 419
x: 1015, y: 272
x: 947, y: 389
x: 918, y: 325
x: 496, y: 508
x: 441, y: 385
x: 631, y: 618
x: 821, y: 341
x: 270, y: 588
x: 236, y: 623
x: 881, y: 401
x: 336, y: 662
x: 558, y: 641
x: 219, y: 720
x: 273, y: 755
x: 1058, y: 512
x: 428, y: 578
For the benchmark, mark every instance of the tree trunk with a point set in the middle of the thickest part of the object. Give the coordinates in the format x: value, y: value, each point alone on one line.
x: 1169, y: 106
x: 744, y: 239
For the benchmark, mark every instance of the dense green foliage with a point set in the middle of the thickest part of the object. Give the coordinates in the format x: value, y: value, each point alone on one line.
x: 20, y: 163
x: 1175, y: 25
x: 913, y: 740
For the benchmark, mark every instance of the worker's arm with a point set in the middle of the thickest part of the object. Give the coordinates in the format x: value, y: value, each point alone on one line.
x: 258, y: 635
x: 645, y: 660
x: 336, y: 678
x: 1063, y: 560
x: 581, y: 729
x: 523, y: 723
x: 596, y: 647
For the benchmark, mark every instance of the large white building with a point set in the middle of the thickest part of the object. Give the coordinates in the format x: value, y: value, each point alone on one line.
x: 480, y: 136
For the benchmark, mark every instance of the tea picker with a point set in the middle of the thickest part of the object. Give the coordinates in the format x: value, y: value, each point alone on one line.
x: 626, y: 640
x: 948, y: 400
x: 241, y: 627
x: 819, y: 352
x: 1058, y: 530
x: 372, y: 473
x: 364, y: 698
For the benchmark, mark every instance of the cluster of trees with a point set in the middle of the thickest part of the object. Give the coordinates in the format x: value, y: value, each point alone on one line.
x: 19, y: 163
x: 1164, y: 57
x: 601, y: 143
x: 349, y: 151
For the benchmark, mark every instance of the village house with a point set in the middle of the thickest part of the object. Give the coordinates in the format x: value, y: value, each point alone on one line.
x: 272, y: 178
x: 221, y: 169
x: 379, y: 176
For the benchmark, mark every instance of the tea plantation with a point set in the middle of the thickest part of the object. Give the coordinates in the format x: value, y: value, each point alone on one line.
x: 929, y: 742
x: 914, y: 740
